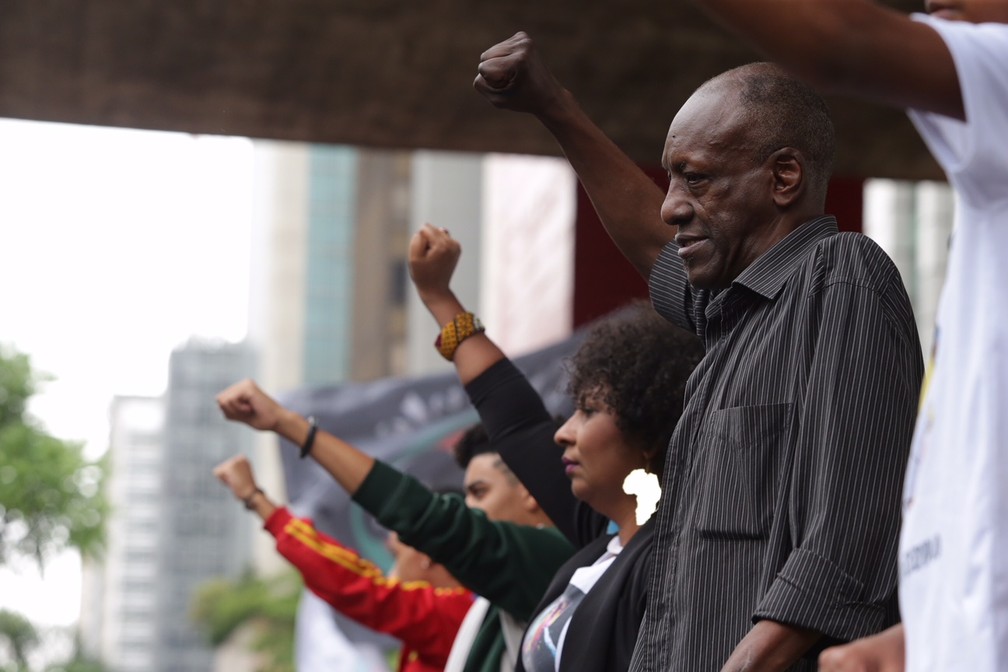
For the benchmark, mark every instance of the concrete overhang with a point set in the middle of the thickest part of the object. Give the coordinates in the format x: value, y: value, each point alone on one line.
x: 385, y: 73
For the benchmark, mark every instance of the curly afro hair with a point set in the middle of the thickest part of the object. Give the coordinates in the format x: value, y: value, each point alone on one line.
x: 637, y: 364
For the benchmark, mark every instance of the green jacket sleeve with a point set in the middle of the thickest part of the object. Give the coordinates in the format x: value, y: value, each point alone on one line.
x: 510, y: 565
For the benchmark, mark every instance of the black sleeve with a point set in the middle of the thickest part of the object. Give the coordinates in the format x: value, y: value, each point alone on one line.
x: 522, y: 430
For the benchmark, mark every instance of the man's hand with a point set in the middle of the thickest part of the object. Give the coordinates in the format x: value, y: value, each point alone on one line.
x: 433, y: 255
x: 236, y: 474
x: 770, y: 647
x: 883, y: 652
x: 245, y: 402
x: 512, y: 76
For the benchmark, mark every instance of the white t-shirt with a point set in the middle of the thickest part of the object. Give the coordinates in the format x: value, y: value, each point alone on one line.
x: 544, y: 640
x: 954, y: 541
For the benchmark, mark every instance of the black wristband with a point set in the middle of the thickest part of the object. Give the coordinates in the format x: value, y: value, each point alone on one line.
x: 248, y: 500
x: 310, y: 439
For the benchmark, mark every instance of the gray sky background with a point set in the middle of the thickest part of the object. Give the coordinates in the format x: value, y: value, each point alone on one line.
x: 115, y: 246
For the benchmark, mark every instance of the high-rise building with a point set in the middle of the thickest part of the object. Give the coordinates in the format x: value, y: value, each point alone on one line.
x: 204, y: 536
x: 327, y: 292
x: 329, y: 236
x: 172, y: 527
x: 118, y: 621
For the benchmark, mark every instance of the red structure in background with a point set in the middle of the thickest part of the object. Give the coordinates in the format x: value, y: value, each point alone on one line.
x: 604, y: 280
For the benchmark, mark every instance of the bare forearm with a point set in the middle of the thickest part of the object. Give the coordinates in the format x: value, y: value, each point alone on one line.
x: 799, y: 34
x: 261, y: 505
x: 513, y: 76
x: 856, y: 47
x: 474, y: 355
x: 770, y: 647
x: 627, y: 201
x: 348, y: 465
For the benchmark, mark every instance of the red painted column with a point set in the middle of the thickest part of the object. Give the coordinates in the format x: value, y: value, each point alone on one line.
x: 845, y: 200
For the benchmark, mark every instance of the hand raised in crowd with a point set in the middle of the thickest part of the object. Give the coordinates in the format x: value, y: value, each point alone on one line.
x: 433, y: 255
x: 236, y: 473
x: 513, y: 76
x: 883, y: 652
x: 245, y: 402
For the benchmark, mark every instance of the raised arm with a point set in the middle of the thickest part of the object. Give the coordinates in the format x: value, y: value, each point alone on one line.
x: 433, y: 256
x: 510, y: 565
x: 513, y: 76
x: 245, y: 402
x: 856, y: 47
x: 236, y: 473
x: 512, y: 411
x: 423, y: 616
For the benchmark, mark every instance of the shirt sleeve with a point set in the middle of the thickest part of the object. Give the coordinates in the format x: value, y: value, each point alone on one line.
x: 522, y: 430
x: 964, y: 149
x: 423, y: 617
x: 853, y: 427
x: 510, y: 565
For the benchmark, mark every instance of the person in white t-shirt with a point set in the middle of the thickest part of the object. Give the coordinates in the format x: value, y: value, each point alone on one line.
x: 950, y: 70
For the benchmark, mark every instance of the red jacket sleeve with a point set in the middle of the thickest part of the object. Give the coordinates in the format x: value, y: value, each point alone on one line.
x: 423, y: 617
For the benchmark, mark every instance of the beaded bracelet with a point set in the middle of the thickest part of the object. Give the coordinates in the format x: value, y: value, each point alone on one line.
x: 452, y: 334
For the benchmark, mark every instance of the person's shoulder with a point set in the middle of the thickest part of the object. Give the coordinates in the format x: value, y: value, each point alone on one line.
x: 549, y: 541
x: 978, y: 50
x: 537, y: 532
x: 854, y: 259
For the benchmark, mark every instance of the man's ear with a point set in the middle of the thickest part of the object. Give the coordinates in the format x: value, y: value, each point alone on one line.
x: 787, y: 165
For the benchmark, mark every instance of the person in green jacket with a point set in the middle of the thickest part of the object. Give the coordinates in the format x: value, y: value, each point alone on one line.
x: 511, y: 561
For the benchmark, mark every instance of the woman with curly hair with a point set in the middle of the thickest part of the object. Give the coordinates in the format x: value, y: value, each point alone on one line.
x: 627, y: 380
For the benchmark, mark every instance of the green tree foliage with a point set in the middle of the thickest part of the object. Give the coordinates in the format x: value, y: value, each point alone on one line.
x: 50, y: 495
x: 79, y: 665
x: 18, y: 637
x: 268, y: 605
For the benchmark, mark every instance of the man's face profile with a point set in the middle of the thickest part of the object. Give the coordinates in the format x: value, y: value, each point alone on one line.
x: 719, y: 195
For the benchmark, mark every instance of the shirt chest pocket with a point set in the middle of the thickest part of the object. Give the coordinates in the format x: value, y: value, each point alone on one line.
x: 739, y: 462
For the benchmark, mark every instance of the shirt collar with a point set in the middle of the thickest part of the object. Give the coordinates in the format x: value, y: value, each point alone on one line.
x: 767, y: 275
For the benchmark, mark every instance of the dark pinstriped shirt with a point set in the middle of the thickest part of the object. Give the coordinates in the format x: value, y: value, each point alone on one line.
x: 781, y: 488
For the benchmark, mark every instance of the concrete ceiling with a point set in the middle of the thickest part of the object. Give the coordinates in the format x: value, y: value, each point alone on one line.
x: 386, y: 73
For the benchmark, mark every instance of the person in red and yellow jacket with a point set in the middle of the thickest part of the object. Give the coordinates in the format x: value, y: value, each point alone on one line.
x: 419, y: 602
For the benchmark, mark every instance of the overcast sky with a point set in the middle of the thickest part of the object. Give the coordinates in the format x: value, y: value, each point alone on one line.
x: 115, y: 246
